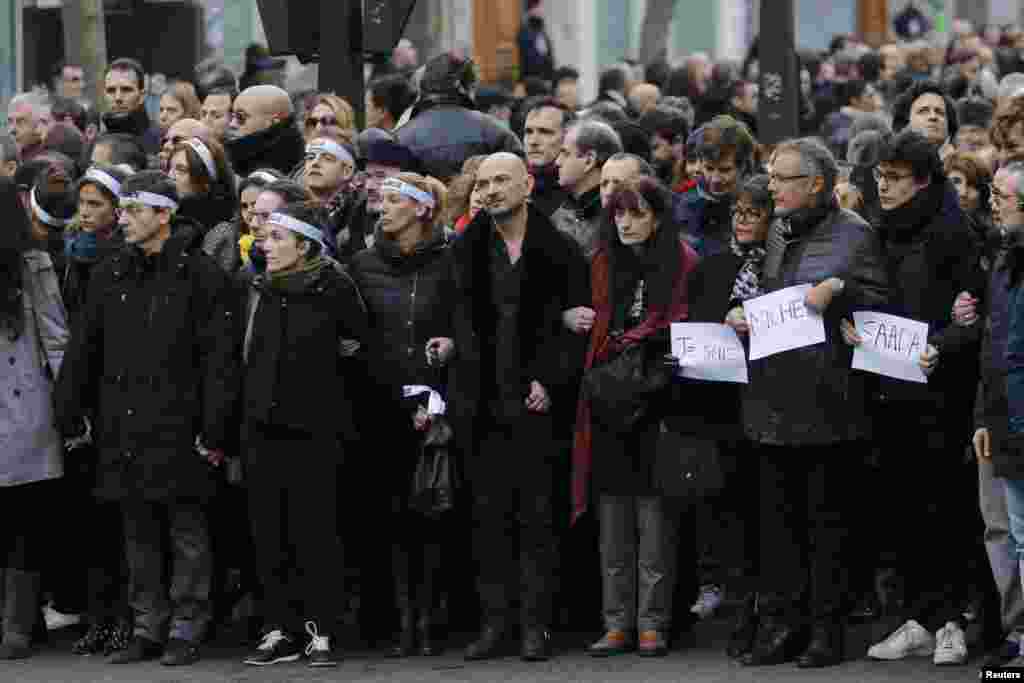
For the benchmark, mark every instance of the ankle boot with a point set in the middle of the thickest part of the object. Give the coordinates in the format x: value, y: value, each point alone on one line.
x: 778, y: 641
x: 406, y: 644
x: 20, y: 613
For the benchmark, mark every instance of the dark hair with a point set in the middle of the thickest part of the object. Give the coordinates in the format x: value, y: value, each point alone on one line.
x: 290, y: 191
x: 635, y: 139
x: 901, y: 107
x: 646, y: 188
x: 613, y: 78
x: 657, y: 72
x: 65, y: 138
x: 976, y: 172
x: 724, y: 134
x: 14, y: 240
x: 850, y: 90
x: 597, y: 137
x: 607, y: 111
x: 756, y: 189
x: 250, y: 181
x: 124, y: 149
x: 564, y: 73
x: 974, y: 111
x: 643, y: 166
x: 568, y: 116
x: 60, y: 204
x: 870, y: 64
x: 224, y: 184
x: 666, y: 122
x: 150, y: 181
x: 308, y: 212
x: 128, y: 64
x: 910, y: 147
x: 393, y: 93
x: 535, y: 85
x: 116, y: 173
x: 65, y: 107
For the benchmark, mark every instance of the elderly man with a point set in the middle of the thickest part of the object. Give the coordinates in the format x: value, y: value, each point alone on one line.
x: 262, y: 132
x: 515, y: 372
x: 543, y: 134
x: 180, y: 131
x: 587, y: 146
x: 125, y: 88
x: 808, y: 411
x: 23, y: 116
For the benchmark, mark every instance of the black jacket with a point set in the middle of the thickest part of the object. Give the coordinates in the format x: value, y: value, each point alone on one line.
x: 554, y: 278
x: 279, y: 147
x: 443, y: 132
x: 74, y: 279
x: 294, y: 373
x: 208, y: 210
x: 410, y: 300
x: 547, y: 194
x: 135, y: 123
x: 351, y: 238
x: 810, y: 396
x: 154, y: 362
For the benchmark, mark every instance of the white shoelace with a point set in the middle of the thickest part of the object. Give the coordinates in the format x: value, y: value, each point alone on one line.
x: 271, y: 640
x: 317, y: 642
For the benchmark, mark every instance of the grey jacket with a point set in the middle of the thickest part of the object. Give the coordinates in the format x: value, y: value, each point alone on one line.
x: 30, y: 447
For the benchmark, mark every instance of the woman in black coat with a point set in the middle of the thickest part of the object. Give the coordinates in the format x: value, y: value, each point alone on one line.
x: 229, y: 242
x: 205, y: 182
x: 297, y: 411
x: 408, y: 280
x: 710, y: 411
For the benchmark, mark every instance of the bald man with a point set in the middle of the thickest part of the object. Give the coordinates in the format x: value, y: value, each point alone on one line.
x: 644, y: 97
x: 516, y: 374
x: 262, y: 131
x: 181, y: 130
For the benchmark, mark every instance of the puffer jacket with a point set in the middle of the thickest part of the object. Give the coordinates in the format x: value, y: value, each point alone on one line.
x: 443, y: 132
x: 810, y: 396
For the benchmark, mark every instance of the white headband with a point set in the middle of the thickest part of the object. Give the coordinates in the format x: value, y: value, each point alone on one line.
x: 262, y: 175
x: 295, y: 225
x: 46, y: 218
x: 105, y: 179
x: 200, y: 148
x: 157, y: 201
x: 396, y: 185
x: 324, y: 145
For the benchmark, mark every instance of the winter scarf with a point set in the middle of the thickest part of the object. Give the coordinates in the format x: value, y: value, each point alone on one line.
x: 748, y: 279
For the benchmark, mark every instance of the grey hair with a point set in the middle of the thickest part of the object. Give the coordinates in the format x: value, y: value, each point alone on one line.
x: 34, y: 100
x: 815, y: 160
x: 643, y: 167
x: 8, y: 148
x: 1015, y: 170
x: 596, y: 136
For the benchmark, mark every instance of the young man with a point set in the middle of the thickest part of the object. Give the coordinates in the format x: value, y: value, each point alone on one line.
x: 543, y: 136
x: 125, y: 90
x: 155, y: 366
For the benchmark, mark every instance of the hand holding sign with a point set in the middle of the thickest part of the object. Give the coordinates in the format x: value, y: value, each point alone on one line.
x: 893, y: 346
x: 710, y: 352
x: 781, y: 321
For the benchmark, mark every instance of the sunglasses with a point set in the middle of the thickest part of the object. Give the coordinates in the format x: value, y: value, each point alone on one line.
x: 326, y: 121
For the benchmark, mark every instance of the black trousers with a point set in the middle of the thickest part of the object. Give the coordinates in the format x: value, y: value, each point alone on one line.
x: 727, y: 519
x: 513, y: 519
x: 26, y: 530
x: 293, y: 488
x: 803, y: 530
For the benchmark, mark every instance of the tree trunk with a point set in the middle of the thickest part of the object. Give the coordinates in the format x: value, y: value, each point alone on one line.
x: 85, y: 43
x: 654, y: 34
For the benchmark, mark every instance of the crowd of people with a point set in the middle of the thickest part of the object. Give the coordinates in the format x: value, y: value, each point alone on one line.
x: 258, y: 352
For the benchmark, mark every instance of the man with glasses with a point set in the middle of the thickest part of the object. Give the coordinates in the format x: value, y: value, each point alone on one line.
x: 156, y: 369
x: 262, y: 131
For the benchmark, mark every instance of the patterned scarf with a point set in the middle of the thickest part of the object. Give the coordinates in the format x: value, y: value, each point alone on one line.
x: 748, y: 279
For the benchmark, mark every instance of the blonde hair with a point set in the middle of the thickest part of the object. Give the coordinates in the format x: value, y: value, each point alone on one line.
x: 342, y: 111
x: 185, y: 93
x: 435, y: 188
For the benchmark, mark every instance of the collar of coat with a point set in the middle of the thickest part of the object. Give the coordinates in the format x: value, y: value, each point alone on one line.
x: 280, y: 145
x: 133, y: 123
x: 186, y: 239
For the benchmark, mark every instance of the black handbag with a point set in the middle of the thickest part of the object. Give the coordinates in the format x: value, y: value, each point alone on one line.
x: 687, y: 466
x: 436, y: 478
x: 621, y: 390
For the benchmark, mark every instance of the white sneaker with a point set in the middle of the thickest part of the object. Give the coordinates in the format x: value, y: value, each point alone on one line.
x: 57, y: 620
x: 950, y: 645
x: 708, y: 602
x: 909, y: 640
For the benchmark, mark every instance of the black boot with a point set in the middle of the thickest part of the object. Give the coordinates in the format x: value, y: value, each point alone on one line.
x: 778, y: 641
x: 486, y: 646
x: 406, y: 645
x: 741, y: 640
x: 20, y: 613
x: 825, y: 648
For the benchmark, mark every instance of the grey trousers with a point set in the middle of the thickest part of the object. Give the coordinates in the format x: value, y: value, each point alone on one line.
x: 154, y: 533
x: 638, y: 552
x: 999, y: 544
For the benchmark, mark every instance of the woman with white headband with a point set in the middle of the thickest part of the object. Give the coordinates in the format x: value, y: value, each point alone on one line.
x: 408, y: 280
x: 229, y: 243
x: 205, y: 182
x: 51, y: 208
x: 297, y: 406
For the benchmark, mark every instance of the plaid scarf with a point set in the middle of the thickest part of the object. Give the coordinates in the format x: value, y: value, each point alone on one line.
x: 748, y: 279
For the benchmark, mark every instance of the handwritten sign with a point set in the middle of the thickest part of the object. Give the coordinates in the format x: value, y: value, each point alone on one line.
x: 709, y: 352
x: 780, y: 321
x: 892, y: 346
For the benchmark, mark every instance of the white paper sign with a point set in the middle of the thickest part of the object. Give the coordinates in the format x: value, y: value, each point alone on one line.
x: 780, y: 322
x: 709, y: 351
x: 892, y: 346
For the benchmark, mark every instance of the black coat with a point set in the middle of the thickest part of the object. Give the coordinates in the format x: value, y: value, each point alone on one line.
x: 294, y: 374
x: 554, y: 279
x: 547, y: 194
x: 443, y: 133
x: 208, y: 210
x: 74, y: 280
x: 810, y: 396
x: 708, y: 409
x: 154, y: 362
x: 280, y: 147
x: 992, y: 409
x: 410, y: 300
x: 137, y: 124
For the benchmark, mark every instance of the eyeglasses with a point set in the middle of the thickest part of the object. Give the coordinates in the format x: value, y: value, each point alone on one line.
x: 751, y: 215
x: 325, y: 121
x: 889, y: 178
x: 780, y: 179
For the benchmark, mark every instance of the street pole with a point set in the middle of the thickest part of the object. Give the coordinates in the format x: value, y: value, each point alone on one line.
x: 778, y: 106
x: 341, y: 56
